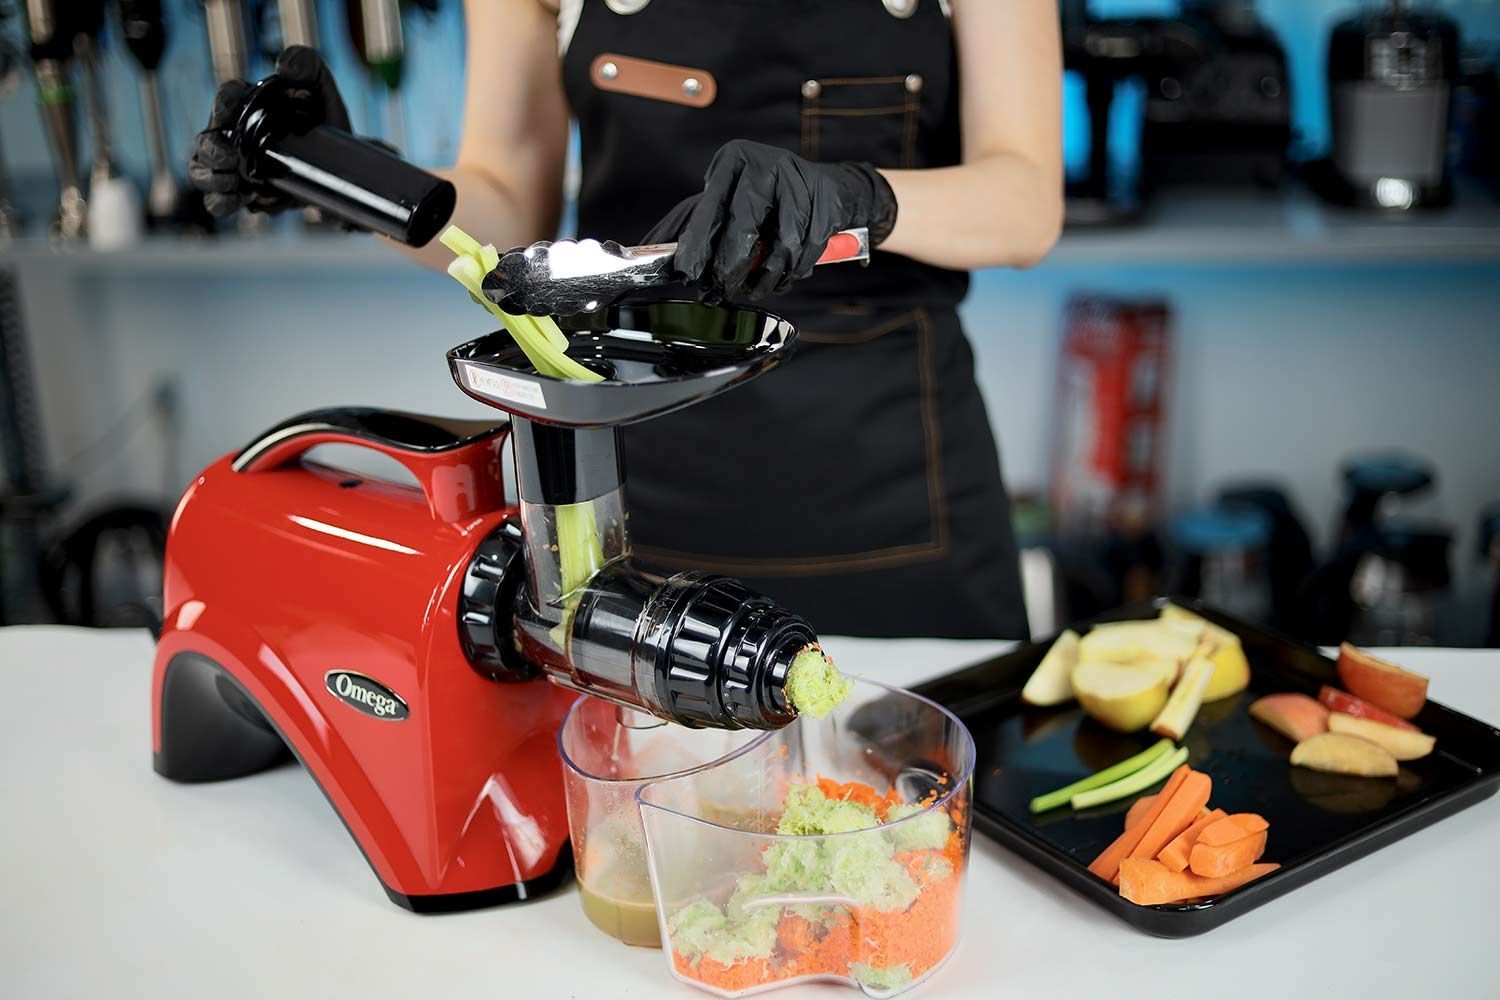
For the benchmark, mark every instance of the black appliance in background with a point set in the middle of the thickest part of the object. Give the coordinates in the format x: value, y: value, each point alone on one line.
x: 1217, y: 105
x: 1389, y: 567
x: 1392, y: 72
x: 1226, y: 117
x: 1489, y: 551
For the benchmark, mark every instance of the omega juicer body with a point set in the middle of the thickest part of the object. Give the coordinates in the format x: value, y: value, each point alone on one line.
x: 416, y: 648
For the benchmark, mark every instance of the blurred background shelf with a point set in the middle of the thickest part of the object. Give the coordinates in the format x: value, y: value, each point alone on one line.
x: 1182, y: 228
x: 1215, y: 227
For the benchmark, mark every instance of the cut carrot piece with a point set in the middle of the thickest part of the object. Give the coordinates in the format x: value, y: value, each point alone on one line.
x: 1107, y: 864
x: 1216, y: 862
x: 1176, y: 854
x: 1178, y: 814
x: 1138, y: 809
x: 1151, y: 883
x: 1251, y: 822
x: 1220, y: 833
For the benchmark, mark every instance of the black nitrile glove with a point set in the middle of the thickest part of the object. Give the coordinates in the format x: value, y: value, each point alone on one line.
x: 215, y: 167
x: 764, y: 217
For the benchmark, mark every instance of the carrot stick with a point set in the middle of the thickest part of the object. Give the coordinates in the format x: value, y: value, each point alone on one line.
x: 1251, y: 822
x: 1178, y: 814
x: 1230, y: 828
x: 1176, y: 854
x: 1216, y: 862
x: 1107, y: 865
x: 1150, y: 883
x: 1138, y: 809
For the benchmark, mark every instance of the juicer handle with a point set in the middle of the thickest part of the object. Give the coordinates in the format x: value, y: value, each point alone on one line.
x: 457, y: 462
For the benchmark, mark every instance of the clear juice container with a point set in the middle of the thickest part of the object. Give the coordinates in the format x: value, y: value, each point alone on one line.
x: 832, y: 849
x: 608, y: 752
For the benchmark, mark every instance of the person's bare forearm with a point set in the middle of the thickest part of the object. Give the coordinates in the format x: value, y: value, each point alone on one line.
x: 510, y: 159
x: 491, y: 214
x: 999, y: 211
x: 1003, y: 205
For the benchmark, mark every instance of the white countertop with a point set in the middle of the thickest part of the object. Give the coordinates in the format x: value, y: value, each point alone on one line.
x: 119, y: 884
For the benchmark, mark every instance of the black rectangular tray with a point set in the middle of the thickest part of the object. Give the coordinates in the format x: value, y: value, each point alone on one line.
x: 1319, y: 822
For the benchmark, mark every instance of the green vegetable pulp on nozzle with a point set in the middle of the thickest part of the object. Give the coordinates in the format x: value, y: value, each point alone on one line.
x: 813, y: 685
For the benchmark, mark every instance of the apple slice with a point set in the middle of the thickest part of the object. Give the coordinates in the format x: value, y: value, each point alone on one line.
x: 1051, y: 683
x: 1186, y: 698
x: 1231, y: 669
x: 1127, y: 642
x: 1385, y: 685
x: 1343, y: 701
x: 1295, y: 716
x: 1340, y: 753
x: 1123, y: 698
x: 1403, y: 744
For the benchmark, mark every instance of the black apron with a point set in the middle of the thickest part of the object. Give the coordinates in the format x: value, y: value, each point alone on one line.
x: 859, y: 483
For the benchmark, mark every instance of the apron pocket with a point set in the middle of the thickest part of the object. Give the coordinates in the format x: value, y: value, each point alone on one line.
x: 830, y: 464
x: 871, y: 119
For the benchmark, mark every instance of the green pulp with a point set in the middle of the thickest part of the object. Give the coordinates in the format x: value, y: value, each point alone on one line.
x: 813, y: 685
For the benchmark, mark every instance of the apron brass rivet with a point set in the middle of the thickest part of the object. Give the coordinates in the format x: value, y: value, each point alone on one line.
x: 609, y: 71
x: 811, y: 89
x: 914, y: 83
x: 691, y: 87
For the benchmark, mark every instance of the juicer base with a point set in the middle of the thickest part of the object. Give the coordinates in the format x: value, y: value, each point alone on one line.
x: 224, y: 733
x: 516, y: 892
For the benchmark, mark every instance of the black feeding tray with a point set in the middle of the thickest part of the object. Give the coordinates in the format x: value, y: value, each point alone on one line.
x: 655, y: 357
x: 1319, y: 822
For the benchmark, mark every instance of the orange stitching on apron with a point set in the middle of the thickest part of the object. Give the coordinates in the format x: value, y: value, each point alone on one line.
x: 898, y: 555
x: 858, y: 336
x: 812, y: 566
x: 932, y: 430
x: 909, y: 131
x: 894, y: 109
x: 847, y: 81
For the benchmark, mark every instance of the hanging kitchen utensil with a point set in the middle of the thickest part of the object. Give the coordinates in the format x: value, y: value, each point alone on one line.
x: 50, y: 32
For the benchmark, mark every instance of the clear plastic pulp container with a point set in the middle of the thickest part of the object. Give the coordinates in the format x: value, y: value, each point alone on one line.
x: 608, y: 752
x: 833, y: 849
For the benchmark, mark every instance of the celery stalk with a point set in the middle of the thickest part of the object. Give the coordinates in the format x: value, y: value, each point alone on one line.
x: 580, y: 554
x: 580, y: 551
x: 544, y: 344
x: 1132, y: 783
x: 1130, y: 765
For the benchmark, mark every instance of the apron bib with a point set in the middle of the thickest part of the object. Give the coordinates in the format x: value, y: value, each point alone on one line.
x: 858, y: 483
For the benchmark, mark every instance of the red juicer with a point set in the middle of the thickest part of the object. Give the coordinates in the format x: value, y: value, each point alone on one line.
x: 416, y: 647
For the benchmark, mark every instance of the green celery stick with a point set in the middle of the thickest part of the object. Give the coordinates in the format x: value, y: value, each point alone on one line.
x: 1042, y: 803
x: 543, y: 343
x: 1132, y: 783
x: 580, y: 554
x: 579, y: 551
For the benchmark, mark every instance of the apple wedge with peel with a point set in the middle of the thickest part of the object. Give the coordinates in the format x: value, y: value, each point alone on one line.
x: 1295, y: 716
x: 1182, y: 706
x: 1403, y: 744
x: 1340, y: 753
x: 1343, y: 701
x: 1123, y: 698
x: 1385, y: 685
x: 1051, y: 683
